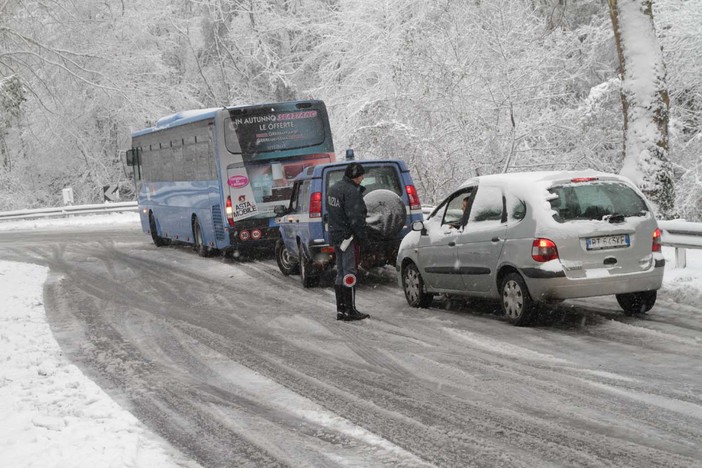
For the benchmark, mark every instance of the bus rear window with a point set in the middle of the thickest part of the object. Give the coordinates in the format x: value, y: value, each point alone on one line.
x: 265, y: 130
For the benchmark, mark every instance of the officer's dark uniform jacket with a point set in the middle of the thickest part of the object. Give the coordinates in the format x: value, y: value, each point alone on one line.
x: 347, y: 212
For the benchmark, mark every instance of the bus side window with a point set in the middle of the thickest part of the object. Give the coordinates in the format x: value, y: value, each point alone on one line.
x: 202, y: 157
x: 132, y: 159
x: 138, y: 167
x: 146, y: 163
x: 165, y: 167
x: 189, y: 158
x: 177, y: 158
x: 211, y: 152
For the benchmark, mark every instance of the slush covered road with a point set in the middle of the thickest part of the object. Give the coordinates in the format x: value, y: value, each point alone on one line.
x: 237, y: 365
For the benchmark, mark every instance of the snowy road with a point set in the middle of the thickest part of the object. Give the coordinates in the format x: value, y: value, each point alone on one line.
x: 237, y: 365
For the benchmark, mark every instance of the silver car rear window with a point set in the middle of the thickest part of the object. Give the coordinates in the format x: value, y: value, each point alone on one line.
x: 595, y: 200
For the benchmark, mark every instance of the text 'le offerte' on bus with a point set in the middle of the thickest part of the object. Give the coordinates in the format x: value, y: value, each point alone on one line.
x: 212, y: 177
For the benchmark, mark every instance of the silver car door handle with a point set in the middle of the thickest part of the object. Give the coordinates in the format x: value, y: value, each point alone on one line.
x: 496, y: 239
x: 452, y: 244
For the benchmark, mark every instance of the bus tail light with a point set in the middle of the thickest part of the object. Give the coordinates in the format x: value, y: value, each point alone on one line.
x: 656, y: 246
x: 543, y: 250
x: 230, y: 212
x: 316, y: 205
x: 413, y: 198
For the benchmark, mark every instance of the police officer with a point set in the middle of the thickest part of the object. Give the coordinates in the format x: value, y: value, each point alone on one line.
x: 347, y: 229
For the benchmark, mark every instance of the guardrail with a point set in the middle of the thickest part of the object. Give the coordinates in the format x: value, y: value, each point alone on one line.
x: 68, y: 211
x: 681, y: 235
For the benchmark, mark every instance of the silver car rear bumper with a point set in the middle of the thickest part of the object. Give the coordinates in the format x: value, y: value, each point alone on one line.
x: 562, y: 287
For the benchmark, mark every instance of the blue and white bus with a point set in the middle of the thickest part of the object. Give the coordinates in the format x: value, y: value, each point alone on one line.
x: 212, y: 177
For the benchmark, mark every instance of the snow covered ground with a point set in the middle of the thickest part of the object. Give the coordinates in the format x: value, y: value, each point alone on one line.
x: 53, y: 415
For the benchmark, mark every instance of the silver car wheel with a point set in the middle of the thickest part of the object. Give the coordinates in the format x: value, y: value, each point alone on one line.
x: 412, y: 284
x: 517, y: 304
x: 513, y: 299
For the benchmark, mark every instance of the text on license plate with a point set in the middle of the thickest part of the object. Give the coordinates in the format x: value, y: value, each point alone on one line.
x: 607, y: 242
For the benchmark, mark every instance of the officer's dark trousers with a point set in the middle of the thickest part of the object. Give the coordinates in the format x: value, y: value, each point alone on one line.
x: 346, y: 262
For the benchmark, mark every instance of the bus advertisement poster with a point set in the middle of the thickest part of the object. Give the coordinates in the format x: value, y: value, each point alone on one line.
x: 241, y: 193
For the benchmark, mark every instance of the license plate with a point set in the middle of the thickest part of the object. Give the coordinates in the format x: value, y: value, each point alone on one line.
x: 607, y: 242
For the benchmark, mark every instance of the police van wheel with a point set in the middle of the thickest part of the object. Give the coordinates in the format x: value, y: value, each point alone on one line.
x: 307, y: 273
x: 158, y: 240
x: 288, y: 264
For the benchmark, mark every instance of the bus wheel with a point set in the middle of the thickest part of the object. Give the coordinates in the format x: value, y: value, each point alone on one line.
x: 199, y: 245
x: 287, y: 263
x: 158, y: 240
x: 307, y: 273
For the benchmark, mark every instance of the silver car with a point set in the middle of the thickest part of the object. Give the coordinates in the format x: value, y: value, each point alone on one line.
x: 529, y: 238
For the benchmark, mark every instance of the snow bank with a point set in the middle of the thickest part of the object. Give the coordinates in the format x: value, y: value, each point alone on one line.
x: 52, y: 415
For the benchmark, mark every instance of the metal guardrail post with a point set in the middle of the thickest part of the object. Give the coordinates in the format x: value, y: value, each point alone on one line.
x: 681, y: 235
x: 680, y: 257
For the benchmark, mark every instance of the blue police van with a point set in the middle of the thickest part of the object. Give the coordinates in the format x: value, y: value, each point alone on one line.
x: 393, y: 205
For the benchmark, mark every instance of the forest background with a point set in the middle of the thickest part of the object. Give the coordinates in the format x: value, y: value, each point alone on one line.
x: 456, y: 88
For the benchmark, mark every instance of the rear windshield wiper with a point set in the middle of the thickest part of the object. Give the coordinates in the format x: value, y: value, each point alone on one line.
x: 614, y: 218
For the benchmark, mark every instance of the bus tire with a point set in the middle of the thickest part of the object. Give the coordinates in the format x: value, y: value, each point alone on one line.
x: 158, y: 240
x: 199, y: 241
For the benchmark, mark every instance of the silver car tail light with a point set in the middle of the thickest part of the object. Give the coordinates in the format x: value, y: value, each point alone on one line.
x: 656, y: 246
x: 543, y: 250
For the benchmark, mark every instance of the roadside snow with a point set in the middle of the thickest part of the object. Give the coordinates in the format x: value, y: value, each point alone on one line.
x: 52, y: 414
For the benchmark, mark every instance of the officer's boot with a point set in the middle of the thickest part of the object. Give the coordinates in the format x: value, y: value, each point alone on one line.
x: 340, y: 302
x: 350, y: 298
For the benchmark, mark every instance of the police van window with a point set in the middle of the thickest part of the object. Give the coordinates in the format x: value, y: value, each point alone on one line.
x: 334, y: 177
x: 304, y: 196
x: 375, y: 177
x: 381, y: 177
x: 295, y: 197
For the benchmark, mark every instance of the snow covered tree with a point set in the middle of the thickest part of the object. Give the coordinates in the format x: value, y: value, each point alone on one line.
x: 12, y: 95
x: 678, y: 26
x: 645, y: 102
x: 455, y: 88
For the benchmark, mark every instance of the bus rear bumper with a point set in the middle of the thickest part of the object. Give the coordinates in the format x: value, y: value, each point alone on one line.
x: 254, y: 236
